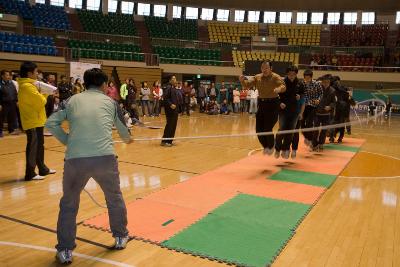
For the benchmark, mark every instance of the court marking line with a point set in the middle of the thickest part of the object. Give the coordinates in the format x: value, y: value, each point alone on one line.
x: 79, y: 255
x: 18, y: 152
x: 254, y: 150
x: 380, y: 154
x: 374, y: 177
x: 142, y: 164
x: 370, y: 177
x: 51, y: 230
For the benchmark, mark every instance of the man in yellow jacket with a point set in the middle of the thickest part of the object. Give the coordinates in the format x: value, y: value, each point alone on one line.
x: 33, y: 117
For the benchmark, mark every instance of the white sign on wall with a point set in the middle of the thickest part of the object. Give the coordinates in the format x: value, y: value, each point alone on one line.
x: 77, y: 69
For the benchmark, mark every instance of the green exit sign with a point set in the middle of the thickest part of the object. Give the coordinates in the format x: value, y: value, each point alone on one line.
x: 1, y: 16
x: 198, y: 76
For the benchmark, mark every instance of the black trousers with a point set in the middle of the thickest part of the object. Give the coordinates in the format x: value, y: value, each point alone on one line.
x: 319, y: 136
x: 200, y: 102
x: 266, y: 118
x: 170, y: 127
x: 308, y: 121
x: 296, y: 136
x: 287, y: 121
x: 35, y: 153
x: 9, y: 113
x: 340, y: 117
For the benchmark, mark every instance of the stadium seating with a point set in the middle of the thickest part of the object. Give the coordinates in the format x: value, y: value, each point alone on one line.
x: 367, y: 35
x: 42, y: 15
x: 189, y: 56
x: 297, y: 34
x: 104, y: 50
x: 349, y: 60
x: 94, y: 21
x: 227, y: 32
x: 240, y: 56
x: 26, y: 44
x: 185, y: 29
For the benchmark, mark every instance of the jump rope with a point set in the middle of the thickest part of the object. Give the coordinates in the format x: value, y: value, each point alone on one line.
x: 311, y: 129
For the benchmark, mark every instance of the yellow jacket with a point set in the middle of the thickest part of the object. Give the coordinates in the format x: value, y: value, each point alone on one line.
x: 31, y: 104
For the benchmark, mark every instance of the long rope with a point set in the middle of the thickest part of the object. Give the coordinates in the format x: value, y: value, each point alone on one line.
x: 311, y: 129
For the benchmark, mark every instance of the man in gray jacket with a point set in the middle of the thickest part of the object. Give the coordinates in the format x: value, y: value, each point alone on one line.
x: 90, y: 154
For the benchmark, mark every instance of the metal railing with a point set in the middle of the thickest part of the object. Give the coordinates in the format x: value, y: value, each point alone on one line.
x: 375, y: 50
x: 349, y: 68
x: 202, y: 62
x: 88, y: 36
x: 189, y: 43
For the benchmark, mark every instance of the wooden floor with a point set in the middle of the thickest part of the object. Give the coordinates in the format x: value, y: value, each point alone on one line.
x: 354, y: 224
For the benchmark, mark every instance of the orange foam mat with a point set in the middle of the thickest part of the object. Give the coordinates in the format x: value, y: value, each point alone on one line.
x: 195, y: 194
x: 147, y: 219
x: 163, y: 213
x: 329, y: 162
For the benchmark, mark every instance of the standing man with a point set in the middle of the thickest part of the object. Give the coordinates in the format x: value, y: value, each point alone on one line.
x: 33, y: 117
x: 201, y: 96
x: 90, y: 153
x: 172, y: 100
x: 269, y: 85
x: 124, y: 92
x: 223, y: 91
x: 8, y: 103
x: 64, y: 89
x: 312, y: 96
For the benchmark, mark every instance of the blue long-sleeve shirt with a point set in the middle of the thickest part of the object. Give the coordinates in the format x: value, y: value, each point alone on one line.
x: 91, y: 116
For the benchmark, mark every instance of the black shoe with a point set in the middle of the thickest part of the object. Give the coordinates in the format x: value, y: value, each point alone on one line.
x: 331, y: 141
x: 340, y: 141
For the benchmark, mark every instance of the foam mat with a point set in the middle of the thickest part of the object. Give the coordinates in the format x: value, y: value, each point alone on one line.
x: 242, y: 213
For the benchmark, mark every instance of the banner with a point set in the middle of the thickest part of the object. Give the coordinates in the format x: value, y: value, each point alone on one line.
x: 77, y: 69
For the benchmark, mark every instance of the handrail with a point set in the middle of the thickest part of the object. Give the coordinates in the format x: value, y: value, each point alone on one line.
x: 94, y: 36
x: 223, y: 63
x: 349, y: 68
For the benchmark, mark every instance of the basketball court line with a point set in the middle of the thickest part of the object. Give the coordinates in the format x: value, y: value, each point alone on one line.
x: 18, y: 152
x: 374, y: 177
x: 51, y: 230
x: 79, y: 255
x: 142, y: 164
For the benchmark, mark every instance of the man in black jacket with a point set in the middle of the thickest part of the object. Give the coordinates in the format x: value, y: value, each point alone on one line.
x: 323, y: 112
x: 342, y: 109
x: 172, y: 100
x: 64, y: 89
x: 288, y: 113
x: 8, y: 103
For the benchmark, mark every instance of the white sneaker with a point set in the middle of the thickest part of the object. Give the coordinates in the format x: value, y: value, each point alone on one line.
x: 277, y: 154
x: 38, y: 177
x: 52, y: 171
x: 268, y: 151
x: 47, y: 134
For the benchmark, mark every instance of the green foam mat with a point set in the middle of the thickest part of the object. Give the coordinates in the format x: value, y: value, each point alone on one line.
x: 341, y: 147
x: 301, y: 177
x: 247, y: 230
